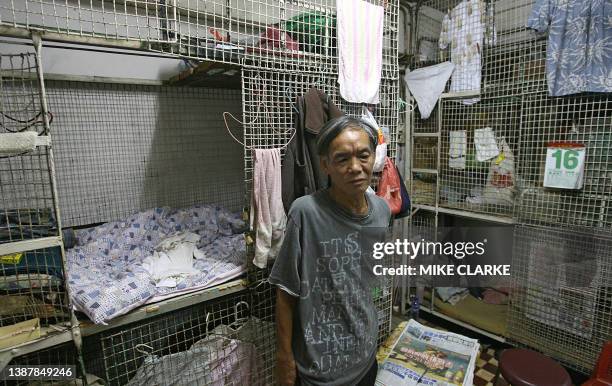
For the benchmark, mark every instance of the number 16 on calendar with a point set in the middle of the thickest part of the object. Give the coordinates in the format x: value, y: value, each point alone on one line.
x: 564, y: 165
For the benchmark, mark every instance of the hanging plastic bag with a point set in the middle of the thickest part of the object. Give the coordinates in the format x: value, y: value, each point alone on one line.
x: 389, y: 187
x: 381, y: 147
x: 500, y: 181
x: 405, y: 209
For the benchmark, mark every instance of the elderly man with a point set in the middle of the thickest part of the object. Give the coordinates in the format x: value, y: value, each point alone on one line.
x: 326, y: 319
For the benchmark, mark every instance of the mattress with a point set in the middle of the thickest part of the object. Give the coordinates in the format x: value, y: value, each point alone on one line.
x: 104, y: 269
x: 488, y: 317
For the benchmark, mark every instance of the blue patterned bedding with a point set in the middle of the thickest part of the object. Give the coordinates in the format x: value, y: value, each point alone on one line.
x: 105, y: 271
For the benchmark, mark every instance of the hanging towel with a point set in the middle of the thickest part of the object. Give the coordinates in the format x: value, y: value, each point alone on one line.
x: 426, y: 85
x: 360, y: 37
x: 17, y: 143
x: 457, y: 149
x: 485, y: 143
x: 268, y: 217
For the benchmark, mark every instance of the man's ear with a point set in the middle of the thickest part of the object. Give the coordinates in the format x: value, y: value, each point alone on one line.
x: 324, y: 164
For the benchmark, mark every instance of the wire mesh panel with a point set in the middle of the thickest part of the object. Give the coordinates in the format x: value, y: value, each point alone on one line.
x: 26, y: 197
x: 478, y: 151
x: 124, y: 148
x: 209, y: 343
x: 32, y: 293
x: 144, y: 20
x: 488, y: 42
x: 563, y: 303
x: 582, y: 120
x: 269, y: 108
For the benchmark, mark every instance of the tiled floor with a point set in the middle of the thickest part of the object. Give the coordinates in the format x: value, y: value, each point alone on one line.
x: 486, y: 364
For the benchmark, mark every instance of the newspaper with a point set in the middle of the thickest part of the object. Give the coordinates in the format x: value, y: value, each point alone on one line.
x: 426, y: 356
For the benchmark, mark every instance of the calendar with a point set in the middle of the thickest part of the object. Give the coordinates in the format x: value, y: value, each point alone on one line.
x: 564, y: 165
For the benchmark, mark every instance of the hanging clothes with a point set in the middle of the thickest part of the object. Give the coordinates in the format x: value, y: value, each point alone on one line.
x: 360, y: 43
x: 427, y: 84
x: 300, y: 170
x: 579, y: 50
x: 268, y: 218
x: 464, y: 28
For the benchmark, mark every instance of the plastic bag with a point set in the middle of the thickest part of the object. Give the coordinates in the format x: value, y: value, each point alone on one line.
x: 381, y: 147
x: 500, y: 181
x: 389, y: 188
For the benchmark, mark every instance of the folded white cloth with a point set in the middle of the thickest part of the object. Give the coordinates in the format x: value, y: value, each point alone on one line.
x: 360, y: 42
x: 17, y: 143
x: 457, y: 149
x: 486, y: 144
x: 427, y: 84
x: 172, y: 260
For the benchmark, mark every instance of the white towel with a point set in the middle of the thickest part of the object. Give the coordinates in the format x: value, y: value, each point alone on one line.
x: 268, y: 217
x: 17, y: 143
x: 360, y: 41
x: 457, y: 149
x: 485, y: 143
x: 426, y: 85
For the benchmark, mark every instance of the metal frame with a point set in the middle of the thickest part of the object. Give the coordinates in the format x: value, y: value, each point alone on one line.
x: 514, y: 85
x: 184, y: 29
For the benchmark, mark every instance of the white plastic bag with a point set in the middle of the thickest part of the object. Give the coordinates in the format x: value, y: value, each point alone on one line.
x: 500, y: 181
x: 381, y: 148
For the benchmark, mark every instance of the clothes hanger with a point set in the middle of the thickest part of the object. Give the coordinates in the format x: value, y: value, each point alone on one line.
x: 238, y: 322
x: 261, y: 95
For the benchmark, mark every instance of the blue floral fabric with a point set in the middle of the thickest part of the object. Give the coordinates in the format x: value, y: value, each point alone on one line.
x: 579, y: 51
x: 105, y: 270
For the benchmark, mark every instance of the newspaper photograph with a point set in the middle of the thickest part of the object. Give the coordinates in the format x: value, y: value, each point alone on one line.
x: 426, y: 356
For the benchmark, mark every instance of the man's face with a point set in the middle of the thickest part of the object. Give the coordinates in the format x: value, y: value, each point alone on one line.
x: 349, y: 162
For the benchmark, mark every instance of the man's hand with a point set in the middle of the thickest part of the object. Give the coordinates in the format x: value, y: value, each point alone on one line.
x: 285, y: 370
x: 285, y: 363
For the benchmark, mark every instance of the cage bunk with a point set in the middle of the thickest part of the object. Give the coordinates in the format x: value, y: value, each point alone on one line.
x: 106, y: 172
x: 35, y: 311
x: 508, y: 93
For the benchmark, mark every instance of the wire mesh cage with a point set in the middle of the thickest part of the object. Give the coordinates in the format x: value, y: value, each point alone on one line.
x: 478, y: 151
x: 123, y: 148
x: 220, y: 342
x: 264, y: 31
x: 144, y: 20
x: 27, y: 211
x: 562, y: 302
x: 581, y: 120
x: 33, y: 295
x: 488, y: 42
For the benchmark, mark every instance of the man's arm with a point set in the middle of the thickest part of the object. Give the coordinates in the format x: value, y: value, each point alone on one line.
x: 285, y: 364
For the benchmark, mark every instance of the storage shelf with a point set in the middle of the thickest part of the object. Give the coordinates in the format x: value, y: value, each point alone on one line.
x: 30, y: 245
x: 464, y: 325
x: 426, y: 171
x: 49, y: 337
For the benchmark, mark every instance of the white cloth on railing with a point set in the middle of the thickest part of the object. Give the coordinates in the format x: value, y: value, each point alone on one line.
x: 17, y: 143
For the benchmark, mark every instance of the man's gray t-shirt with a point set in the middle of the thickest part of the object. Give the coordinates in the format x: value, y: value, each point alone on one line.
x: 326, y: 262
